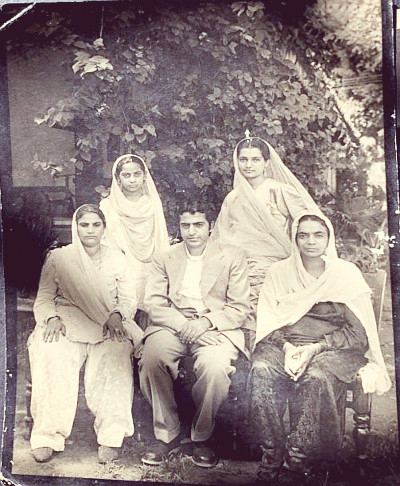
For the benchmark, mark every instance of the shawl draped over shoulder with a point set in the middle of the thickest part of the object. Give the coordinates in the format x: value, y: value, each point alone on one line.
x: 83, y: 297
x: 289, y: 292
x: 138, y: 228
x: 258, y: 221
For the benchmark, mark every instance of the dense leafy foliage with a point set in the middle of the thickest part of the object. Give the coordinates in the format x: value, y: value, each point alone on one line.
x: 180, y: 84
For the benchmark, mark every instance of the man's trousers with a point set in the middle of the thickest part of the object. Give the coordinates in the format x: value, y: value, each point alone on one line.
x: 159, y: 368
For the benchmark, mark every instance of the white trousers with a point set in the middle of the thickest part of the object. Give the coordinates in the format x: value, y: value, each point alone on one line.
x: 55, y: 371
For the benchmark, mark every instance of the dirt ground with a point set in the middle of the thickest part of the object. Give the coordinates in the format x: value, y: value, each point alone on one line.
x: 79, y: 459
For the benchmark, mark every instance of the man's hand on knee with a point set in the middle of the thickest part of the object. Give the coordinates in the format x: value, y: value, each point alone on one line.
x: 213, y: 338
x: 193, y: 329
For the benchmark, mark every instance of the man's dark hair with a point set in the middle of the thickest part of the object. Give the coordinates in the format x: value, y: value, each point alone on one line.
x: 193, y: 206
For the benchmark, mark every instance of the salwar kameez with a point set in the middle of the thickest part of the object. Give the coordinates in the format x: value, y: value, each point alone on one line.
x: 108, y: 385
x: 137, y: 228
x: 83, y: 293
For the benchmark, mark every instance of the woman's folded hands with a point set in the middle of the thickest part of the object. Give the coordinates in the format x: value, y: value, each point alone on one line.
x: 297, y: 358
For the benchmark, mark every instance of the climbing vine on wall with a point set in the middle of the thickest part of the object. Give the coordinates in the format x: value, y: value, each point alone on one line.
x: 179, y: 85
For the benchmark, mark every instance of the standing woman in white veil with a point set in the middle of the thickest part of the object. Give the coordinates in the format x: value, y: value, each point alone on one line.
x: 135, y: 217
x: 257, y: 214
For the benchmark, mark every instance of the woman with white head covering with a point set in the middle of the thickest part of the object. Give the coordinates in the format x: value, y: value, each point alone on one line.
x: 315, y: 331
x: 135, y: 218
x: 83, y: 312
x: 257, y: 214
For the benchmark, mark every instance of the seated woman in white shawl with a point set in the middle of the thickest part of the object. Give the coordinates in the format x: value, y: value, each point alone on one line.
x: 257, y: 214
x: 84, y: 313
x: 135, y: 218
x: 315, y: 331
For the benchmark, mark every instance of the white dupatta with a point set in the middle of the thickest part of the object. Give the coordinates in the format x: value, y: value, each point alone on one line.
x: 138, y: 228
x: 82, y: 284
x: 289, y: 292
x: 260, y: 218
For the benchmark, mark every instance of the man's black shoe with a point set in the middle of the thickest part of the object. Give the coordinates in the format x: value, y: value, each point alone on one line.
x: 203, y: 455
x: 158, y: 452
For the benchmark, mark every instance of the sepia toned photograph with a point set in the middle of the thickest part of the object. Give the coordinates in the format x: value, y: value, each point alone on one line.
x: 199, y: 256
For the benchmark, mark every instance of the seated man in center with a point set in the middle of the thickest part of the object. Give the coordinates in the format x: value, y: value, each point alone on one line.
x: 198, y: 298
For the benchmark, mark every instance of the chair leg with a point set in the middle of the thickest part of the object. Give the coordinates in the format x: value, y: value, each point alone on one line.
x: 362, y: 424
x: 141, y: 411
x: 235, y: 413
x: 28, y: 420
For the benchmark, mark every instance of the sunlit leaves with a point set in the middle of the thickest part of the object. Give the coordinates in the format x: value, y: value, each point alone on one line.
x: 89, y: 64
x: 183, y: 113
x: 46, y: 166
x: 251, y: 9
x: 140, y: 133
x: 102, y: 190
x: 98, y: 43
x: 181, y: 89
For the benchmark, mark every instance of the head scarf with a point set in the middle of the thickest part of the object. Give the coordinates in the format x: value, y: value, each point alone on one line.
x: 80, y: 280
x: 132, y: 219
x: 262, y: 219
x: 289, y: 292
x: 83, y: 285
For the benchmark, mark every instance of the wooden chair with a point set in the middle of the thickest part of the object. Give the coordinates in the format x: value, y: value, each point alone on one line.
x: 356, y: 399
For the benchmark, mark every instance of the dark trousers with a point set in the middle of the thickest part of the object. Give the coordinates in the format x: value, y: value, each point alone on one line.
x: 315, y: 404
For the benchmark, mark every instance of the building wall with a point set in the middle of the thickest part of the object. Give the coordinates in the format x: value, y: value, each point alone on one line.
x: 35, y: 84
